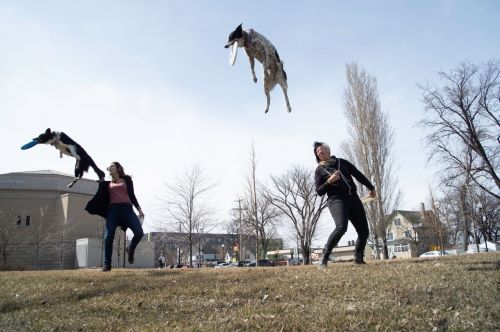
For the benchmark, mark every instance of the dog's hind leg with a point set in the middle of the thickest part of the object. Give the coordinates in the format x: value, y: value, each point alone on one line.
x: 282, y: 81
x: 284, y: 87
x: 78, y: 173
x: 99, y: 173
x: 268, y: 85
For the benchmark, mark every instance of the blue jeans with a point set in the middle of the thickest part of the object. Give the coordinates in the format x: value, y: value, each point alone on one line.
x: 120, y: 215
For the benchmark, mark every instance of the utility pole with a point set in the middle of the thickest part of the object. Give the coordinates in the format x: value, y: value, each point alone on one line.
x: 240, y: 245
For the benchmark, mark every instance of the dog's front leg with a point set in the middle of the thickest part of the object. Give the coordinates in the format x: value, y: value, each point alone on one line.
x: 60, y: 154
x: 252, y: 65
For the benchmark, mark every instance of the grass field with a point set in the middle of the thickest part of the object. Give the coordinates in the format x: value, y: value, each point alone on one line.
x: 457, y: 293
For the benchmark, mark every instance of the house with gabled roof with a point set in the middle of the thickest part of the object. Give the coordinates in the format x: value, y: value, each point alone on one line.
x: 407, y: 235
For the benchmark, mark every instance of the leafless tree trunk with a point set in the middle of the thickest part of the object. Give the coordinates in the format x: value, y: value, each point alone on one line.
x: 369, y: 147
x: 489, y: 216
x: 464, y: 114
x: 295, y: 196
x: 118, y: 246
x: 433, y: 222
x: 7, y: 235
x: 257, y: 211
x: 433, y: 228
x: 186, y: 207
x: 40, y: 234
x: 450, y: 211
x: 252, y: 199
x: 268, y: 217
x: 236, y: 226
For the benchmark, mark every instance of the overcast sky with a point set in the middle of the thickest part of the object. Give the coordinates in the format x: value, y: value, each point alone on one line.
x: 148, y: 83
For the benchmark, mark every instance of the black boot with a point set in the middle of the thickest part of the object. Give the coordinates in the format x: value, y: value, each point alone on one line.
x: 324, y: 260
x: 106, y: 268
x: 130, y: 253
x: 358, y: 260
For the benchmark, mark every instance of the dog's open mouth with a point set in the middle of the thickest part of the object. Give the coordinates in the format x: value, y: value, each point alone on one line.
x: 233, y: 52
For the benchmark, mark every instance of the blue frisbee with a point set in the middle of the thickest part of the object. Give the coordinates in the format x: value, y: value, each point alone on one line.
x: 29, y: 145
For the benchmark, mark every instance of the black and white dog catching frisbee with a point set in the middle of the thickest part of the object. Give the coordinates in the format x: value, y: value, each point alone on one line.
x: 258, y: 47
x: 67, y: 146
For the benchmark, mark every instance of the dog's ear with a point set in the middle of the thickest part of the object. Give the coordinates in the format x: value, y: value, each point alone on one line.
x: 47, y: 131
x: 239, y: 28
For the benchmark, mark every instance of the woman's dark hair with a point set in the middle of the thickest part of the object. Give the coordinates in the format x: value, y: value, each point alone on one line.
x: 317, y: 145
x: 119, y: 168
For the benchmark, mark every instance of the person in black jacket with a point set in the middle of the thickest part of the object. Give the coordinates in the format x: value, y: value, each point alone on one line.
x: 333, y: 177
x: 113, y: 201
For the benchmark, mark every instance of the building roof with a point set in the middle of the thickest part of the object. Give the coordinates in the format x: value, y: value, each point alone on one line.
x: 46, y: 180
x: 41, y: 172
x: 411, y: 216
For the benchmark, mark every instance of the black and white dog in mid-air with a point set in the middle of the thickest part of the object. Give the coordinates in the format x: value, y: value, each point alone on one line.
x: 67, y: 146
x: 258, y: 47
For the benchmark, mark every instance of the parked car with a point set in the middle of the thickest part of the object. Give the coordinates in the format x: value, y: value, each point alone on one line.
x: 262, y: 262
x: 295, y: 261
x: 213, y: 263
x: 242, y: 263
x: 431, y: 254
x: 223, y: 265
x: 178, y: 266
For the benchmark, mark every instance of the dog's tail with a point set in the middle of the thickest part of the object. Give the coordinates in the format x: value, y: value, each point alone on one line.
x: 96, y: 169
x: 99, y: 173
x: 281, y: 64
x: 284, y: 72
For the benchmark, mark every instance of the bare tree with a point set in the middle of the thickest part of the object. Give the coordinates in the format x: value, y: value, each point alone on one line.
x: 450, y: 212
x: 294, y: 194
x: 242, y: 226
x: 7, y: 235
x: 464, y: 115
x: 369, y: 146
x: 40, y: 234
x: 185, y: 205
x: 489, y: 217
x: 456, y: 180
x: 432, y: 222
x: 236, y: 226
x: 258, y: 213
x: 260, y: 218
x: 119, y: 247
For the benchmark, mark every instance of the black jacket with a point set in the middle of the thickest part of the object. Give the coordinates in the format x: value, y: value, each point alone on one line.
x: 99, y: 204
x: 345, y: 186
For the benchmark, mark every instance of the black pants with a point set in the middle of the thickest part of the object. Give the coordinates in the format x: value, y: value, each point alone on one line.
x: 343, y: 210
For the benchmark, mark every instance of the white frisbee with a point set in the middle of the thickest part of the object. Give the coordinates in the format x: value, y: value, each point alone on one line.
x: 367, y: 199
x: 232, y: 53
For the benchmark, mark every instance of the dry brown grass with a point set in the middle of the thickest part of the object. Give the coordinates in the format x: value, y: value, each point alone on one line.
x: 452, y: 293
